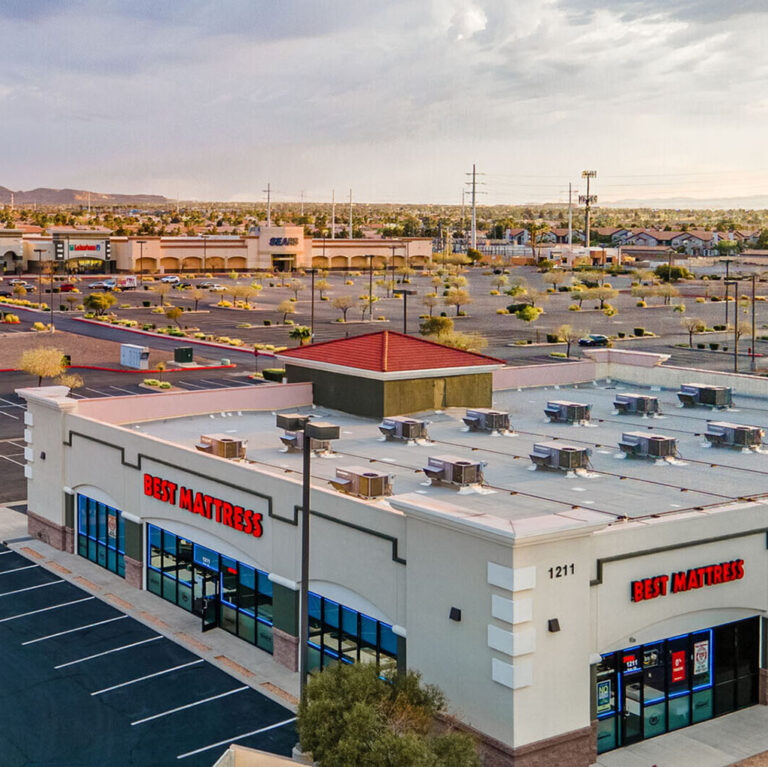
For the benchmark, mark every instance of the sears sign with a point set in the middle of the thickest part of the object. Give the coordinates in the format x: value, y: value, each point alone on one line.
x: 277, y: 242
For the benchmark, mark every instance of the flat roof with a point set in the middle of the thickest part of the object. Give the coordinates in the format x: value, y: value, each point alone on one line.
x: 614, y: 487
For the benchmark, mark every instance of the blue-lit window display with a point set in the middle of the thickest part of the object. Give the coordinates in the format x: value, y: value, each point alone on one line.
x: 101, y: 534
x: 655, y: 688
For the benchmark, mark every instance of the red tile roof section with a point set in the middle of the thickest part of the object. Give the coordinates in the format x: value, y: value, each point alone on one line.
x: 387, y: 352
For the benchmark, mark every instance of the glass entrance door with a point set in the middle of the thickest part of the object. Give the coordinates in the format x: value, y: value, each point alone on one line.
x: 632, y: 705
x: 205, y: 588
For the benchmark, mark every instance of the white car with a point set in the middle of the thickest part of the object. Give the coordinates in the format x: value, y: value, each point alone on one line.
x: 216, y: 288
x: 172, y: 278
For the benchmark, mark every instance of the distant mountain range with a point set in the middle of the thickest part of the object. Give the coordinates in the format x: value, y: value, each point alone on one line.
x: 46, y: 196
x: 675, y: 203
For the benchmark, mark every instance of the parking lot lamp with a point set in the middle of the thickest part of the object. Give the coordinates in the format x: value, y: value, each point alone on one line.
x: 312, y: 272
x: 39, y: 252
x: 370, y: 257
x: 141, y: 244
x: 405, y: 292
x: 727, y: 262
x: 321, y: 431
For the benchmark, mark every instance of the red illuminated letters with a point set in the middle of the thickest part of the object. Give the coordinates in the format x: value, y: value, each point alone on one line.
x: 686, y: 580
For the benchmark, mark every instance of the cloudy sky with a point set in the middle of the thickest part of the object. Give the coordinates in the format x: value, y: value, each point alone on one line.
x: 212, y: 99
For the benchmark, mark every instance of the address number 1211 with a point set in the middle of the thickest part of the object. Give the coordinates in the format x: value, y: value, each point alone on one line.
x: 561, y: 571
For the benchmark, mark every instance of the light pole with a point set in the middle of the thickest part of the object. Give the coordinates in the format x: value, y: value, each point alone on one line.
x: 141, y: 244
x: 312, y: 273
x: 369, y: 256
x: 752, y: 360
x: 321, y: 431
x: 727, y: 262
x: 735, y: 324
x: 39, y: 252
x: 205, y: 252
x: 405, y: 292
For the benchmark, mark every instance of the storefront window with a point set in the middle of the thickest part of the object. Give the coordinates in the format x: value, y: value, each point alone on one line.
x: 100, y: 534
x: 662, y: 686
x: 186, y: 574
x: 338, y: 633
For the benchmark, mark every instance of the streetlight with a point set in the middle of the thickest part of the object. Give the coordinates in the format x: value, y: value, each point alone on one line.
x: 752, y: 360
x: 735, y: 324
x: 141, y: 244
x: 204, y: 238
x: 405, y: 292
x: 312, y: 272
x: 370, y: 257
x: 321, y: 431
x: 39, y: 252
x: 727, y: 262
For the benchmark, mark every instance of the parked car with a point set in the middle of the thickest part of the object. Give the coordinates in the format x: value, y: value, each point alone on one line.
x: 180, y: 285
x: 216, y: 288
x: 594, y: 339
x: 67, y: 287
x: 206, y: 284
x: 171, y: 278
x: 104, y: 285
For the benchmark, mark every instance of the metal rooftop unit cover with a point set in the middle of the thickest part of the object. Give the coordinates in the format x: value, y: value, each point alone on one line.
x: 693, y: 394
x: 630, y: 404
x: 724, y: 434
x: 558, y: 455
x: 451, y: 470
x: 362, y: 482
x: 294, y: 440
x: 401, y: 427
x: 484, y: 419
x: 561, y: 411
x: 638, y: 444
x: 223, y: 446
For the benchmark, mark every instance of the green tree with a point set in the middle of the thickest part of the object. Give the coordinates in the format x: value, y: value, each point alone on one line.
x: 474, y: 255
x: 174, y: 313
x: 351, y: 717
x: 99, y: 303
x: 434, y: 326
x: 457, y: 297
x: 663, y: 272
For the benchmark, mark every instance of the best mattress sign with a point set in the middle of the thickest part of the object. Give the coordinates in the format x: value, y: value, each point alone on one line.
x: 685, y: 580
x: 245, y: 520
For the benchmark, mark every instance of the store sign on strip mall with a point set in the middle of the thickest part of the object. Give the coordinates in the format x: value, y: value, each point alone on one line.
x: 686, y: 580
x: 237, y: 517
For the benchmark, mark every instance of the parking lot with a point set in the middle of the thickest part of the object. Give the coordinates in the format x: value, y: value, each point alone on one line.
x: 85, y: 684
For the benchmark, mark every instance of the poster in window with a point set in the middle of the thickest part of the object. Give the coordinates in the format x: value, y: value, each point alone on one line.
x: 678, y: 666
x: 701, y: 657
x: 112, y: 526
x: 603, y: 696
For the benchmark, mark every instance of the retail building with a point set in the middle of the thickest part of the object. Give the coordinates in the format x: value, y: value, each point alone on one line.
x: 616, y: 595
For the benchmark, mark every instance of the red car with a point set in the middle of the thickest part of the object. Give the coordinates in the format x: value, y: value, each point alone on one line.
x: 67, y: 287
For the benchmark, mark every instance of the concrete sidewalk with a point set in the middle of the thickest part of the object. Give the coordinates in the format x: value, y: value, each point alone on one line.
x: 243, y: 661
x: 718, y: 742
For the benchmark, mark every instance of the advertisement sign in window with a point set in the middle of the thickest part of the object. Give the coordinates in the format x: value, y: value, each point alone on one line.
x: 603, y: 696
x: 678, y: 666
x: 701, y: 657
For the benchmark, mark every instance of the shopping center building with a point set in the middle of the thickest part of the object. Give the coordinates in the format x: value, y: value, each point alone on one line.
x: 278, y: 248
x: 573, y: 587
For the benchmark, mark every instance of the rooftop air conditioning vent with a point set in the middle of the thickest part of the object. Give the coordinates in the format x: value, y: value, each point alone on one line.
x: 223, y: 446
x: 403, y: 428
x: 450, y: 470
x: 695, y: 394
x: 362, y: 482
x: 638, y: 444
x: 484, y: 419
x: 558, y: 455
x: 293, y: 439
x: 723, y: 434
x: 636, y: 404
x: 560, y: 411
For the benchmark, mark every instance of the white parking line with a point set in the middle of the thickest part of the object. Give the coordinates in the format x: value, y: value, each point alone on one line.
x: 214, y: 383
x: 15, y: 417
x: 189, y: 705
x: 12, y: 404
x: 108, y: 652
x: 126, y: 391
x: 17, y: 569
x: 45, y: 609
x: 148, y: 676
x: 79, y: 396
x: 32, y: 588
x: 10, y: 551
x: 102, y: 393
x: 189, y: 383
x: 72, y: 631
x: 237, y: 737
x: 18, y: 463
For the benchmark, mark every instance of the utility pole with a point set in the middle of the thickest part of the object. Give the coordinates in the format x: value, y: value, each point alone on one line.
x: 268, y: 192
x: 728, y: 262
x: 302, y: 203
x: 570, y: 219
x: 350, y: 214
x: 587, y: 199
x: 463, y: 193
x: 752, y: 360
x: 333, y: 214
x: 473, y: 183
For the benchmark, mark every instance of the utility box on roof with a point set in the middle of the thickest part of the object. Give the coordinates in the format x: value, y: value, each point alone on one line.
x: 636, y: 404
x: 693, y: 394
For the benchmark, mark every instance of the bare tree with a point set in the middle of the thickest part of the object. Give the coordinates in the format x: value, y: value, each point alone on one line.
x: 570, y: 335
x: 285, y: 308
x: 343, y: 304
x: 693, y: 325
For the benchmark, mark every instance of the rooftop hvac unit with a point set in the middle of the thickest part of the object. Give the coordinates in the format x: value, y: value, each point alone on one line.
x: 638, y: 444
x: 401, y: 427
x: 451, y: 470
x: 559, y: 411
x: 362, y: 482
x: 723, y: 434
x: 557, y: 455
x: 631, y: 404
x: 294, y: 440
x: 291, y: 421
x: 483, y: 419
x: 222, y: 446
x: 693, y: 394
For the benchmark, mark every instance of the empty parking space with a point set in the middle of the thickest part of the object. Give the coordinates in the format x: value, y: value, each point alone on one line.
x: 111, y: 690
